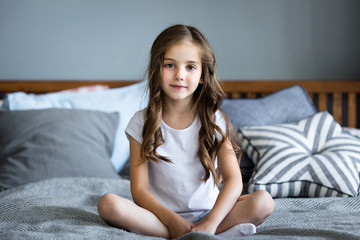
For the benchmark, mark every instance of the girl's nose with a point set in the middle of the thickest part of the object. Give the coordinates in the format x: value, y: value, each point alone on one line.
x: 179, y: 75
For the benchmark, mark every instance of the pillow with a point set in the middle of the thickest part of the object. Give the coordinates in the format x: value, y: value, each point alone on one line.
x: 91, y: 88
x: 287, y: 105
x: 126, y: 101
x: 42, y: 144
x: 313, y: 157
x: 353, y: 131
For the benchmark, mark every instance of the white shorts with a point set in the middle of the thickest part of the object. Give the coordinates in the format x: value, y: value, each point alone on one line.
x: 194, y: 217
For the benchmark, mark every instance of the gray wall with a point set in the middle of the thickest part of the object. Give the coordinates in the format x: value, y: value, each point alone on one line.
x: 110, y: 39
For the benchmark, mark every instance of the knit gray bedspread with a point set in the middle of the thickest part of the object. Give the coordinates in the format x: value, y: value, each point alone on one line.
x: 65, y: 208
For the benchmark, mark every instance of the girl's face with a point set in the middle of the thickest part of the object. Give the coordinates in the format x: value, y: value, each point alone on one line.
x: 181, y: 71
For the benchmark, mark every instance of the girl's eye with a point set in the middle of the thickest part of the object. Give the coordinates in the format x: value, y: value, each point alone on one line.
x: 191, y: 67
x: 169, y: 65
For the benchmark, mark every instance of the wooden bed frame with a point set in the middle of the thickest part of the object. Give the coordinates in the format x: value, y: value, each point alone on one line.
x: 341, y: 97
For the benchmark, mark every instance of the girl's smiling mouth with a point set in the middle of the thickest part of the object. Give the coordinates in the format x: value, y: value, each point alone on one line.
x: 178, y: 86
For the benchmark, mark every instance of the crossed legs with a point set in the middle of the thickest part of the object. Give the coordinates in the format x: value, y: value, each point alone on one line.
x: 124, y: 214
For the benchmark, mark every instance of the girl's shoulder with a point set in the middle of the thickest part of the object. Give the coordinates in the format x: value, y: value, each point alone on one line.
x: 135, y: 126
x: 140, y: 114
x: 138, y: 118
x: 220, y: 120
x: 219, y: 116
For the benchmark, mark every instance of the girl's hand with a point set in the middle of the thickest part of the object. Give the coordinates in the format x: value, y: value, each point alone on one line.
x: 205, y: 226
x: 179, y: 226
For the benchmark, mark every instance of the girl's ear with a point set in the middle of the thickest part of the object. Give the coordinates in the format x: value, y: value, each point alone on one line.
x: 201, y: 81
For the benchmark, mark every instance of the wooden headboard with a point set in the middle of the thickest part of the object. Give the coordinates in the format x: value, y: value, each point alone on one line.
x: 341, y: 98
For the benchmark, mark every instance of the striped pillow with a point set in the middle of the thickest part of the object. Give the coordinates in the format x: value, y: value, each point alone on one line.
x: 313, y: 157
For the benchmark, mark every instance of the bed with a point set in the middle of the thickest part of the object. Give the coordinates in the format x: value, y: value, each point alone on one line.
x: 61, y: 150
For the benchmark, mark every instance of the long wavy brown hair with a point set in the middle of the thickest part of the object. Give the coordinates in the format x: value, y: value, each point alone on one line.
x: 207, y: 99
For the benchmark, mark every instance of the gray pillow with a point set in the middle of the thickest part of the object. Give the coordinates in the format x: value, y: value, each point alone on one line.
x: 287, y: 105
x: 42, y: 144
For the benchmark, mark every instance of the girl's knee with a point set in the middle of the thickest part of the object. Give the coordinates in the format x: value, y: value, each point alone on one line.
x: 263, y: 204
x: 107, y: 205
x: 266, y: 200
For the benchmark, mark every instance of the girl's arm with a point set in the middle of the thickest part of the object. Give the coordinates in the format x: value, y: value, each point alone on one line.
x: 139, y: 180
x: 230, y: 192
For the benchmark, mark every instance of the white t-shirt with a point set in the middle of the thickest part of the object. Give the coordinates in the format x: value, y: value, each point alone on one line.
x: 179, y: 185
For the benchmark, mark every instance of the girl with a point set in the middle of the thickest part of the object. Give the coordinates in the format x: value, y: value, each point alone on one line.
x: 180, y: 146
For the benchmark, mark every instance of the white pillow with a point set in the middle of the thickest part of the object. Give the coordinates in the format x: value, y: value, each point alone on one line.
x: 125, y: 100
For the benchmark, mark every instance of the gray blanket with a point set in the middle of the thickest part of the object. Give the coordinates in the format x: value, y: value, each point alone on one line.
x: 65, y: 208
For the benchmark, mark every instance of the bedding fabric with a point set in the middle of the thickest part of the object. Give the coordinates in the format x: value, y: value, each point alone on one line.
x: 41, y: 144
x: 65, y: 208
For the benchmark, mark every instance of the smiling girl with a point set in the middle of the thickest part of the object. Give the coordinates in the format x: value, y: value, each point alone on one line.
x: 180, y: 146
